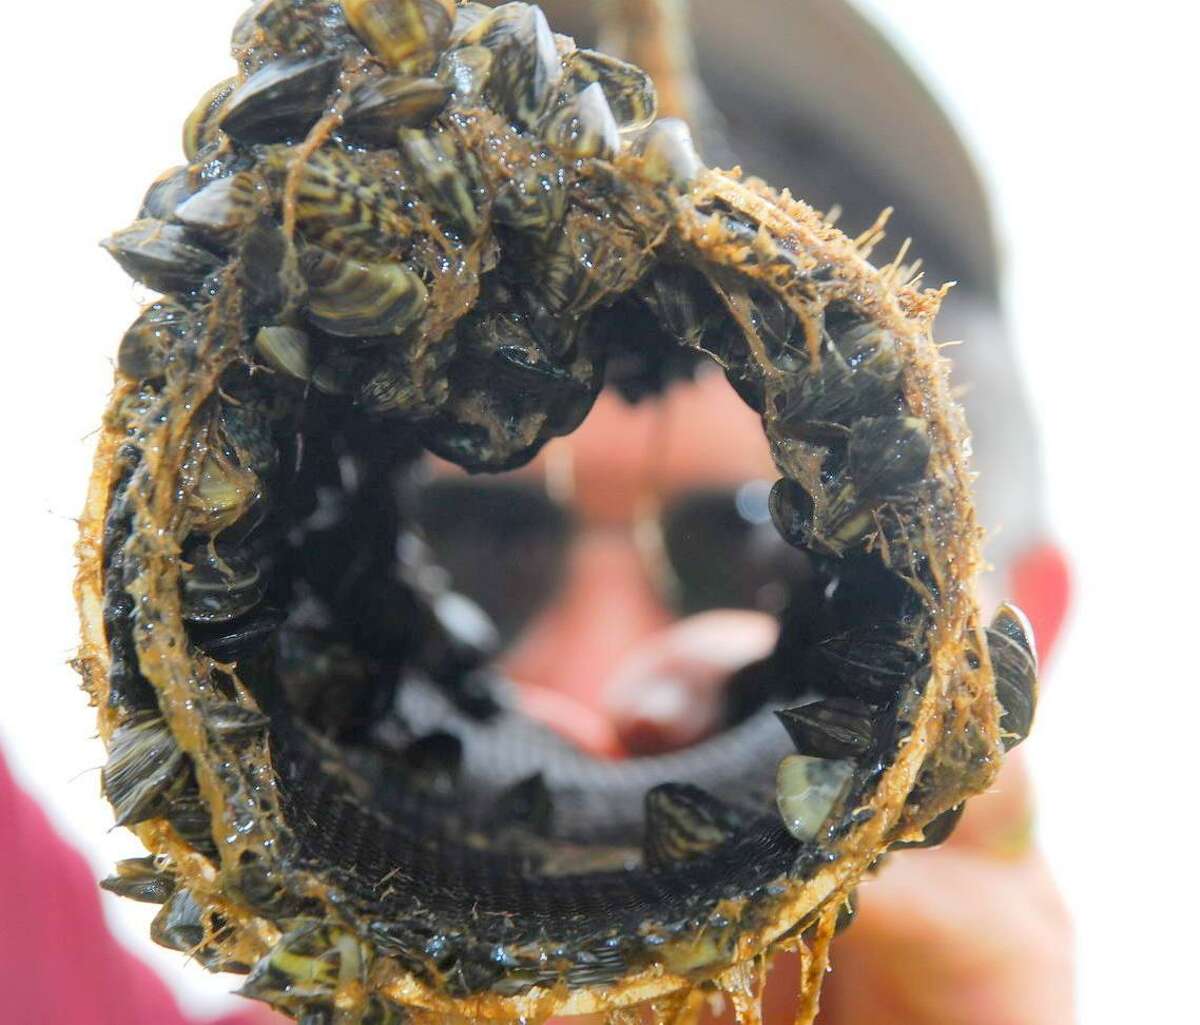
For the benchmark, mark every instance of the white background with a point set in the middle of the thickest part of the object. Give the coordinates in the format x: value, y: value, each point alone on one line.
x: 1082, y: 116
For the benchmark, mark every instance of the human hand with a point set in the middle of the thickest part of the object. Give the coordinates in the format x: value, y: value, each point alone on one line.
x: 973, y: 932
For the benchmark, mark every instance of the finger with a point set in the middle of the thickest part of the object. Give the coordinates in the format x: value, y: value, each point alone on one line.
x: 999, y: 823
x: 670, y: 692
x: 949, y: 936
x: 581, y: 724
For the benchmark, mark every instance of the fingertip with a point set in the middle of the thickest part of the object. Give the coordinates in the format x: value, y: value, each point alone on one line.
x: 999, y: 823
x: 671, y: 691
x: 663, y: 715
x: 579, y: 723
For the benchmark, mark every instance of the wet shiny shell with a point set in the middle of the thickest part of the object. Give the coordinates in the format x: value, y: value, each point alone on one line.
x: 584, y: 126
x: 225, y: 207
x: 283, y: 100
x: 407, y: 35
x: 526, y: 69
x: 445, y: 174
x: 147, y: 344
x: 201, y: 128
x: 353, y: 299
x: 163, y: 257
x: 286, y: 349
x: 344, y: 208
x: 808, y: 790
x: 169, y: 190
x: 381, y: 106
x: 141, y: 879
x: 466, y: 71
x: 1014, y: 661
x: 832, y: 728
x: 668, y: 153
x: 629, y: 90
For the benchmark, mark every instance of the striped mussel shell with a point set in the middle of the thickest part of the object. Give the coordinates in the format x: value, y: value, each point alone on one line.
x: 379, y: 106
x: 164, y: 257
x: 180, y: 923
x: 344, y: 207
x: 584, y: 126
x: 166, y: 192
x: 146, y: 346
x: 468, y: 14
x: 445, y: 174
x: 218, y: 585
x: 202, y: 127
x: 1015, y: 665
x: 144, y: 766
x: 526, y: 70
x: 406, y: 35
x: 224, y: 207
x: 141, y: 879
x: 533, y: 200
x: 351, y: 298
x: 285, y: 349
x: 466, y: 71
x: 628, y: 89
x: 236, y: 473
x: 668, y: 154
x: 684, y: 822
x: 282, y: 100
x: 269, y: 28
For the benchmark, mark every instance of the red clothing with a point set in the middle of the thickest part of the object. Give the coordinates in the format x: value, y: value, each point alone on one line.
x: 59, y: 965
x: 1041, y: 587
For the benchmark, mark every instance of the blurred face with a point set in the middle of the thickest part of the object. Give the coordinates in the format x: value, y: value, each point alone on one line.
x: 663, y: 563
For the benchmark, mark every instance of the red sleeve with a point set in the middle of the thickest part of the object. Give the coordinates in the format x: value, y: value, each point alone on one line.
x: 58, y: 963
x: 1041, y: 586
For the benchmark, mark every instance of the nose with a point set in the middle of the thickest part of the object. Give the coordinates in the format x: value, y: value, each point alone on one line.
x: 606, y: 607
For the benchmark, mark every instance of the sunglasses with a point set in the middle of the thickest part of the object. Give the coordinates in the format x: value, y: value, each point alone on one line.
x: 506, y: 545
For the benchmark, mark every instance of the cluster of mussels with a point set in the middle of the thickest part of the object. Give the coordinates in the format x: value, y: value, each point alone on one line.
x: 415, y: 225
x: 411, y: 220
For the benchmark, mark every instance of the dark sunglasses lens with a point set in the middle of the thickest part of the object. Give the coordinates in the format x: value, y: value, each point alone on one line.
x: 725, y: 553
x: 503, y: 545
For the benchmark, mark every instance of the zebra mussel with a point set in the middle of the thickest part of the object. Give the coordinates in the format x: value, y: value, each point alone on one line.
x: 411, y: 226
